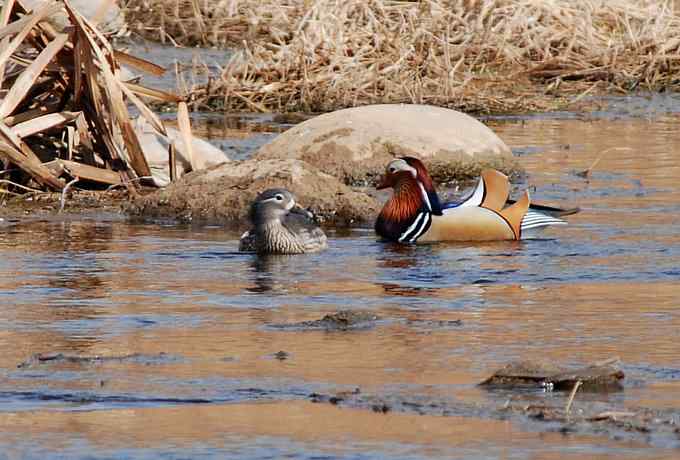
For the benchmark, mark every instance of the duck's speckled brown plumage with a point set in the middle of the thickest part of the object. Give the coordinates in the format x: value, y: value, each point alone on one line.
x: 281, y: 226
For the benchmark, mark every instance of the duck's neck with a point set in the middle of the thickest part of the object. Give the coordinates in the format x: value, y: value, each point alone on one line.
x: 406, y: 201
x: 401, y: 211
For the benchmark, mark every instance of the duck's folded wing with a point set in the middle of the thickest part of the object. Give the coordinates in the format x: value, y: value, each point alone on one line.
x: 491, y: 192
x: 306, y: 230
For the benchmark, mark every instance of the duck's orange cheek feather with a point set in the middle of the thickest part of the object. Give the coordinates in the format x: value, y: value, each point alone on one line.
x: 401, y: 208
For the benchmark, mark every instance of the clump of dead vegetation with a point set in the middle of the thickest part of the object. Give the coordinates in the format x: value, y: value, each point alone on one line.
x: 474, y: 55
x: 64, y: 110
x: 190, y: 22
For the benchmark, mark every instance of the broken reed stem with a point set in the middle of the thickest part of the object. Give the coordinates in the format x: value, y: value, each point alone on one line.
x: 62, y: 201
x: 571, y: 397
x: 23, y: 187
x: 4, y: 191
x: 172, y: 154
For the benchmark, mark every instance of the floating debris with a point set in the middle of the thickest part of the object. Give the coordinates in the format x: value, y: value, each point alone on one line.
x: 434, y: 324
x: 59, y: 358
x: 602, y: 376
x: 343, y: 320
x: 281, y: 355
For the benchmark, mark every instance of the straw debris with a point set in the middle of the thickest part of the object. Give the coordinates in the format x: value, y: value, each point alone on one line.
x: 64, y: 116
x: 473, y: 55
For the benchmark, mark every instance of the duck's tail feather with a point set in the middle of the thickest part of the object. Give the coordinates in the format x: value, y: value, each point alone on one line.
x: 533, y: 220
x: 549, y: 210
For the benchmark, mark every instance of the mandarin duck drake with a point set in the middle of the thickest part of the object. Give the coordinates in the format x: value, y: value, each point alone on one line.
x: 281, y: 226
x: 414, y: 213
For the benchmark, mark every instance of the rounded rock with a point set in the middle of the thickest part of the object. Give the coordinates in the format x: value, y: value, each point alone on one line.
x: 356, y: 143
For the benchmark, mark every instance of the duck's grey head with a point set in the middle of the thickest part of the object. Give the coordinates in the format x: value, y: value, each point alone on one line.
x: 271, y: 205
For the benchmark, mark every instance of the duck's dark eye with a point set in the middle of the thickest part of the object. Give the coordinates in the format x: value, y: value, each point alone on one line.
x: 279, y: 197
x: 392, y: 169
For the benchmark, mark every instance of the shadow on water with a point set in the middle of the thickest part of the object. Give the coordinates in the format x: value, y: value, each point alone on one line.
x: 129, y: 340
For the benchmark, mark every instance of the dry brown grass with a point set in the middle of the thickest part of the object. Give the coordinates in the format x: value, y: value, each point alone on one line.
x: 188, y: 22
x: 474, y: 55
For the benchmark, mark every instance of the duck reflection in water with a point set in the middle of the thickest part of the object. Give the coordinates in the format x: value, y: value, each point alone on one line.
x: 270, y: 273
x: 431, y: 267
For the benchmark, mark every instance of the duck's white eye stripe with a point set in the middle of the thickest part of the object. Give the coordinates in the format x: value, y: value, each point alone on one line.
x: 412, y: 170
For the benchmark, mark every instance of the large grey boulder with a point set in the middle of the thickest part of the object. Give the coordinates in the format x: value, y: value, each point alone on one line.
x: 357, y: 143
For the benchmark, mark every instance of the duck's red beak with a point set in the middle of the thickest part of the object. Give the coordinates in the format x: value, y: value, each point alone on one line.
x: 385, y: 182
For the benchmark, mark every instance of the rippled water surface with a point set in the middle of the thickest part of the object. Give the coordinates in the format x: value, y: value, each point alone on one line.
x: 181, y: 327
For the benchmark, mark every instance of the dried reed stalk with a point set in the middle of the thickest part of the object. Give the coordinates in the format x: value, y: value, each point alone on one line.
x: 63, y: 105
x: 476, y: 55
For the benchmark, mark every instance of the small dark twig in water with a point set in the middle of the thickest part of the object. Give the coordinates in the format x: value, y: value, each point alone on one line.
x: 608, y: 362
x: 281, y: 355
x: 571, y: 397
x: 62, y: 202
x: 587, y: 173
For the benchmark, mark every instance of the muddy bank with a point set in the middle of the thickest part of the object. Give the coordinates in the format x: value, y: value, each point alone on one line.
x: 537, y: 411
x: 223, y: 194
x: 74, y: 202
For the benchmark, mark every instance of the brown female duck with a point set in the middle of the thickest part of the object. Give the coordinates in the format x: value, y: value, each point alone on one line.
x: 280, y: 226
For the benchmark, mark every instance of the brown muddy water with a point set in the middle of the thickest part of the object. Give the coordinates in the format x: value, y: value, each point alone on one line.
x: 164, y: 341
